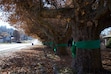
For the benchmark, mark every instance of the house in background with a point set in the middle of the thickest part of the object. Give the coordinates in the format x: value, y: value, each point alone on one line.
x: 8, y: 35
x: 106, y: 39
x: 1, y: 39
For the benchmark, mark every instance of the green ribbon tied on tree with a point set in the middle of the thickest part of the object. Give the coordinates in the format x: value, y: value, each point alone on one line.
x: 54, y: 46
x: 59, y: 45
x: 48, y: 44
x: 92, y: 44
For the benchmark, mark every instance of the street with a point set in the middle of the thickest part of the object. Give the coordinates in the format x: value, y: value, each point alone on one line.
x: 14, y: 46
x: 8, y: 49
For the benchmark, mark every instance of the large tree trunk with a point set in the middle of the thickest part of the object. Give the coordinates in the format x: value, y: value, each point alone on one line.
x: 62, y: 47
x: 62, y: 40
x: 86, y: 60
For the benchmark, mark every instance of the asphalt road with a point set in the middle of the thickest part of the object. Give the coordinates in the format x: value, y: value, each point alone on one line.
x: 7, y: 49
x: 13, y: 46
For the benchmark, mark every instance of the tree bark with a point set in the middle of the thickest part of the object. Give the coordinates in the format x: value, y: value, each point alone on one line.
x: 62, y: 41
x: 62, y: 47
x: 53, y: 13
x: 86, y: 60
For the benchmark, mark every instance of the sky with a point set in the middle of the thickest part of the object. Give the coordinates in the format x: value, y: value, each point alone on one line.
x: 2, y: 23
x: 106, y: 31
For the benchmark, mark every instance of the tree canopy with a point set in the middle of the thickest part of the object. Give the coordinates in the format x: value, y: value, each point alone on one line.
x: 33, y: 17
x: 50, y: 18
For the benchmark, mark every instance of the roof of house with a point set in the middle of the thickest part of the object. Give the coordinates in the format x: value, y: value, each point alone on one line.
x: 107, y: 36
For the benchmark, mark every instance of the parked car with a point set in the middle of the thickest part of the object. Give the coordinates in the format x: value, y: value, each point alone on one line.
x: 19, y: 42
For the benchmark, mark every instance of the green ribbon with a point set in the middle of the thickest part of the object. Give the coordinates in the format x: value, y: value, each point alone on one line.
x: 55, y: 49
x: 51, y: 44
x: 48, y: 44
x: 92, y: 44
x: 73, y: 49
x: 61, y: 45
